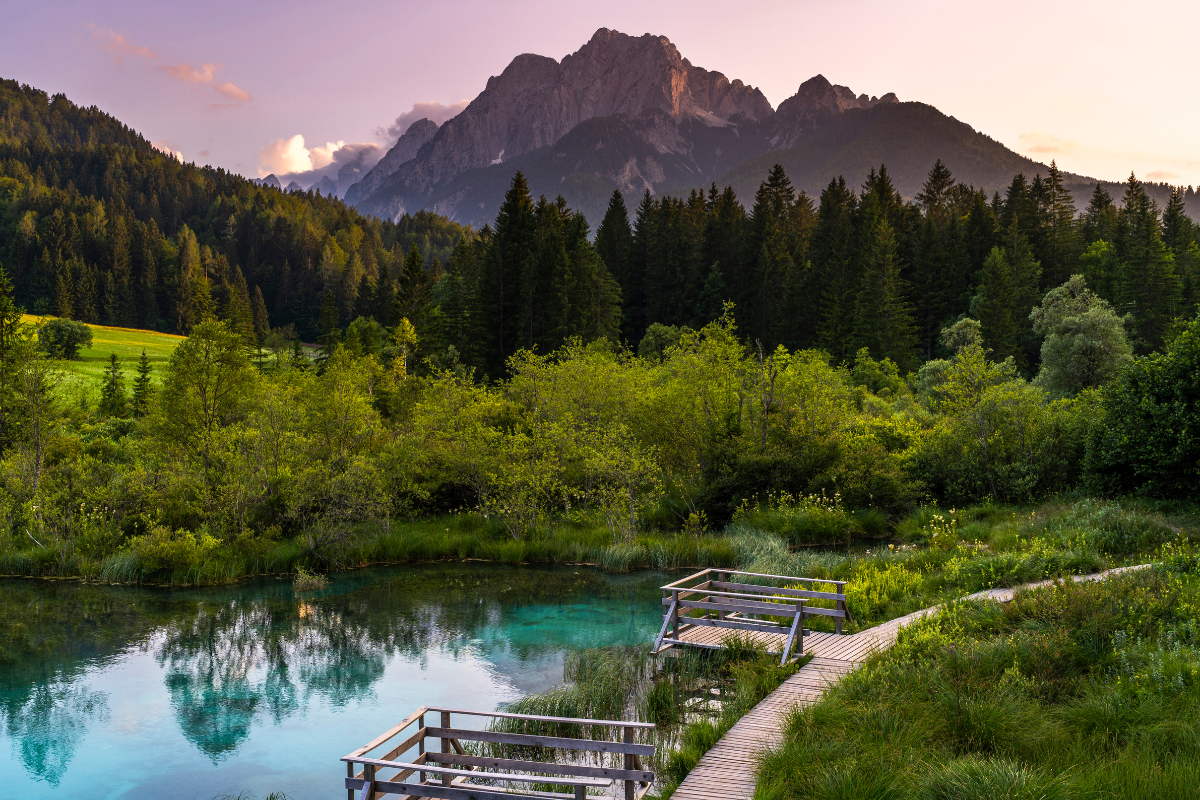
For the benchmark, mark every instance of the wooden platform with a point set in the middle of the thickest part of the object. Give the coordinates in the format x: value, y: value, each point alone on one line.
x: 727, y: 770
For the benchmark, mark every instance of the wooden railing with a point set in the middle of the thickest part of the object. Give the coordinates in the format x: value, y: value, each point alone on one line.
x: 723, y: 598
x: 452, y: 773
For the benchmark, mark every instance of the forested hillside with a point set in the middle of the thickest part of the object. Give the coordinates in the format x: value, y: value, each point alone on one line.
x: 97, y: 225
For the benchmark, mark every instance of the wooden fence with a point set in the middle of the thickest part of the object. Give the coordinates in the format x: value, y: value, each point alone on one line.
x: 453, y: 773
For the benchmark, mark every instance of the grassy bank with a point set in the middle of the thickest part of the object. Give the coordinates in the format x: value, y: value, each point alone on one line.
x: 1074, y: 691
x: 934, y: 554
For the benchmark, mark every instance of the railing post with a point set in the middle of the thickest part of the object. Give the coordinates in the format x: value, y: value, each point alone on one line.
x: 630, y: 786
x: 445, y: 745
x: 800, y: 613
x: 349, y: 774
x: 421, y: 743
x: 720, y: 579
x: 675, y: 614
x: 369, y: 786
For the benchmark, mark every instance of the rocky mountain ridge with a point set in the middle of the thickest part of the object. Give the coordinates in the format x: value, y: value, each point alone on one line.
x: 632, y: 114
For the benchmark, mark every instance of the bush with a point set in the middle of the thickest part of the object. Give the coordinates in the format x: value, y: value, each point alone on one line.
x: 163, y: 549
x: 1148, y: 439
x: 64, y: 337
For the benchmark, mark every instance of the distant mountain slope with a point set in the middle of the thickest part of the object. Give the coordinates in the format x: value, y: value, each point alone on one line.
x: 630, y: 113
x: 907, y: 137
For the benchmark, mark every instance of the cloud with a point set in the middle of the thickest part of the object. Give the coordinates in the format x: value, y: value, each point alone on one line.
x: 342, y: 162
x: 323, y: 156
x: 116, y: 43
x: 1046, y: 144
x: 163, y: 146
x: 1161, y: 175
x: 282, y: 156
x: 233, y: 92
x: 438, y: 112
x: 207, y: 75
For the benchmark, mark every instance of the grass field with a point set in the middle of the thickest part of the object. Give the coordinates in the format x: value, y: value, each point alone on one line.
x: 127, y: 343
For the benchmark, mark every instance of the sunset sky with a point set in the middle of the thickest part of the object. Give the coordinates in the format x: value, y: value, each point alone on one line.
x: 1103, y: 87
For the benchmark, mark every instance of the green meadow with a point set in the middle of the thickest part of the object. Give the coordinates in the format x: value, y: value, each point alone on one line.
x: 127, y: 343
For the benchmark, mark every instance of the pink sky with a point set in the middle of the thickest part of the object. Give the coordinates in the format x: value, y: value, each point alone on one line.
x: 1103, y: 87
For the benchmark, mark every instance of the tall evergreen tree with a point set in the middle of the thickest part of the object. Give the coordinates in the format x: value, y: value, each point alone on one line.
x: 511, y: 246
x: 883, y: 319
x: 614, y: 241
x: 834, y: 257
x: 112, y: 390
x: 143, y: 389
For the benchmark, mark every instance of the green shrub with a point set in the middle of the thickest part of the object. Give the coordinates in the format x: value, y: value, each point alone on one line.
x: 64, y: 337
x: 163, y: 549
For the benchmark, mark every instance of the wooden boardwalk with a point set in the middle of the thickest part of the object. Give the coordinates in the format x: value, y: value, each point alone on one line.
x: 726, y: 772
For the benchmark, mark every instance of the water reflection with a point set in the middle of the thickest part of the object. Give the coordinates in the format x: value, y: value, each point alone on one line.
x: 49, y: 724
x: 232, y: 660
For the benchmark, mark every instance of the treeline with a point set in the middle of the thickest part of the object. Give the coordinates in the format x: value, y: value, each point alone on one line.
x: 856, y: 269
x: 97, y: 225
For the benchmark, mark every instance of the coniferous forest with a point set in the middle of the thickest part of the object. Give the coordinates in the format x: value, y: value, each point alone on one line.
x: 660, y: 373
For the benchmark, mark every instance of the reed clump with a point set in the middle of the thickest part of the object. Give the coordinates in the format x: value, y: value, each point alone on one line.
x: 306, y: 581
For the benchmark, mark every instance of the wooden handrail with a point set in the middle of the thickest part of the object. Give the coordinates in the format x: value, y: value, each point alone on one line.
x: 404, y: 723
x: 491, y: 776
x: 793, y: 578
x: 610, y: 723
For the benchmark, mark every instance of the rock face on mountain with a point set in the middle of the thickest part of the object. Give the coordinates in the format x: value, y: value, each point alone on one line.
x: 537, y: 100
x: 631, y: 114
x: 403, y: 151
x: 325, y: 186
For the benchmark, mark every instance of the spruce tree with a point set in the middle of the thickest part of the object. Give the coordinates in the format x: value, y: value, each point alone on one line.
x: 834, y: 256
x: 142, y: 387
x: 112, y: 391
x: 512, y: 245
x: 883, y: 319
x: 330, y: 327
x: 993, y: 306
x: 614, y: 240
x: 10, y: 341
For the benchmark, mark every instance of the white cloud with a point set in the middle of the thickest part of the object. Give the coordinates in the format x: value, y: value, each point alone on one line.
x: 438, y: 112
x: 163, y: 146
x: 282, y: 156
x: 323, y: 156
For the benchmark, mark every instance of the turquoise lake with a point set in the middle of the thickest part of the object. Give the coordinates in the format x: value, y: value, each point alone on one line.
x: 122, y: 692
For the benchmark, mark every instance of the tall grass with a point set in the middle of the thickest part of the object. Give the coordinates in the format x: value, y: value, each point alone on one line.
x: 1072, y: 691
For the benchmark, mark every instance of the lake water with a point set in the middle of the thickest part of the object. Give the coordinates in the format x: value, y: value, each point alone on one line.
x: 119, y: 692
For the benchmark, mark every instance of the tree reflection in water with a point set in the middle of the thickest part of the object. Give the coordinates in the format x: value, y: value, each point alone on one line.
x: 256, y: 652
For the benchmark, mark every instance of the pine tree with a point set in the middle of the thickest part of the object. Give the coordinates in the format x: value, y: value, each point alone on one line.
x: 994, y: 304
x: 112, y: 391
x: 238, y: 309
x: 511, y: 246
x: 1149, y: 287
x: 883, y: 319
x: 142, y: 387
x: 834, y: 257
x: 10, y: 341
x: 330, y: 327
x: 614, y: 240
x: 636, y: 313
x: 935, y: 193
x: 1062, y: 246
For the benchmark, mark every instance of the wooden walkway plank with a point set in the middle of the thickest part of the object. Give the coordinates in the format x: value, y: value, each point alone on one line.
x: 727, y: 770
